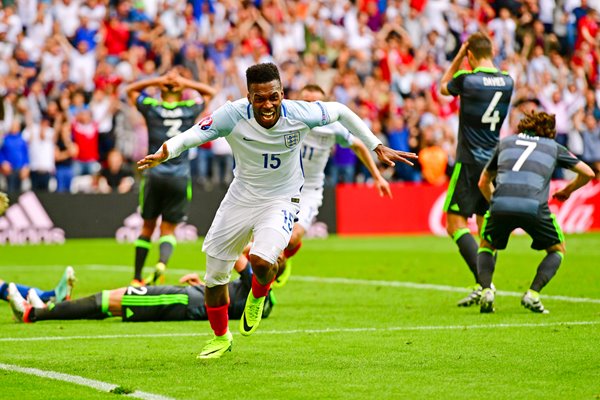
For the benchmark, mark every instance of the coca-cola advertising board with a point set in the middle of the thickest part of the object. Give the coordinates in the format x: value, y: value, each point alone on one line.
x: 418, y: 209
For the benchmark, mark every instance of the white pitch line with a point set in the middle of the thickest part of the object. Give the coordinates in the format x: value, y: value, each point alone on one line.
x: 80, y: 380
x: 348, y: 281
x: 311, y: 331
x: 429, y: 286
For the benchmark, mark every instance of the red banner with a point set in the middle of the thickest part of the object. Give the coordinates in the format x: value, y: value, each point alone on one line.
x: 417, y: 208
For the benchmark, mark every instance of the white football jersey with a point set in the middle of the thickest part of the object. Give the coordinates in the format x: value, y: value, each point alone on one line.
x: 267, y: 161
x: 316, y: 150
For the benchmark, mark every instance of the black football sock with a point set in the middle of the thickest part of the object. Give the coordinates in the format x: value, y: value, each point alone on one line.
x: 142, y: 247
x: 485, y: 267
x: 167, y: 244
x: 468, y: 249
x: 546, y: 270
x: 85, y: 308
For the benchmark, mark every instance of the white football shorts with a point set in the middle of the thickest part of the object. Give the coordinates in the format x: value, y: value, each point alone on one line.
x: 270, y: 223
x: 310, y: 201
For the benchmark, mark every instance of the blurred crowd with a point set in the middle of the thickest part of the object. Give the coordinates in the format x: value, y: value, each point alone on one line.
x: 66, y: 126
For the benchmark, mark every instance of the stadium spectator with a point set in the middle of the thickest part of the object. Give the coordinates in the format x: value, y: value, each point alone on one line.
x: 82, y: 62
x: 523, y: 165
x: 14, y: 158
x: 485, y: 98
x: 264, y: 195
x: 165, y: 190
x: 116, y: 176
x: 85, y: 135
x: 64, y: 153
x: 104, y: 105
x: 4, y: 202
x: 588, y: 127
x: 433, y: 159
x: 40, y: 138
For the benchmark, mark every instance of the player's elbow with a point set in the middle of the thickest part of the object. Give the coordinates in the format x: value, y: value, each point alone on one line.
x: 589, y: 173
x: 484, y: 181
x: 585, y: 171
x: 444, y: 88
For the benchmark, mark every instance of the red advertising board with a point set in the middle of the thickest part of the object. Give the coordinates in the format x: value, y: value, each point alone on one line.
x: 417, y: 209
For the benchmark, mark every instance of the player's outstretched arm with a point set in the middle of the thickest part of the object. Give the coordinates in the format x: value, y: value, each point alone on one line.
x: 383, y: 187
x: 352, y: 122
x: 584, y: 175
x: 152, y: 160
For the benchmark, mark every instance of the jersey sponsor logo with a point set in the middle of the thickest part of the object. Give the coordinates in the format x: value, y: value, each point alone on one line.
x: 27, y: 221
x: 292, y: 139
x: 494, y: 81
x: 205, y: 123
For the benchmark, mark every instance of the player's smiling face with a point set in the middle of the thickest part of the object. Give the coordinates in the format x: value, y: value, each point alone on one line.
x: 266, y: 102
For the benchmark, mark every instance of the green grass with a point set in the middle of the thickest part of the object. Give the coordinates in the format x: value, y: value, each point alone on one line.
x: 325, y: 340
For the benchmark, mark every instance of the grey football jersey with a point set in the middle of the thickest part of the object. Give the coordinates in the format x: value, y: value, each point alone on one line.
x: 524, y: 166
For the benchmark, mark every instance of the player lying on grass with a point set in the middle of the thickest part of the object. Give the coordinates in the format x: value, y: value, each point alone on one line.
x: 521, y: 168
x: 140, y: 304
x: 61, y: 292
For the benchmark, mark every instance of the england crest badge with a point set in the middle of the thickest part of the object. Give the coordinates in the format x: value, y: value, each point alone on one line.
x: 292, y: 139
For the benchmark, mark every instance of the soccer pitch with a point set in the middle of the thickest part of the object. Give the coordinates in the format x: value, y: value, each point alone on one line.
x: 360, y: 318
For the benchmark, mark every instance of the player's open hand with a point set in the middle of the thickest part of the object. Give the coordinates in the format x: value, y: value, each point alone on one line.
x: 387, y: 156
x: 462, y: 52
x: 3, y: 202
x: 562, y: 195
x: 191, y: 279
x: 152, y: 160
x: 383, y: 187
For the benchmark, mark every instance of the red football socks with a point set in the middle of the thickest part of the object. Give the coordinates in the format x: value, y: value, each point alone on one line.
x: 290, y: 252
x: 259, y: 290
x: 218, y: 318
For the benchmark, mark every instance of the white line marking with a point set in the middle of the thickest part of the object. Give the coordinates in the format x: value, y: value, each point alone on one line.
x: 311, y: 331
x: 80, y: 380
x: 429, y: 286
x: 346, y: 281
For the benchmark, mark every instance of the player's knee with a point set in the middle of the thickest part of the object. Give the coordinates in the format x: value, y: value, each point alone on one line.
x: 260, y: 266
x: 558, y: 248
x: 148, y: 227
x: 218, y: 271
x: 294, y: 240
x: 216, y: 278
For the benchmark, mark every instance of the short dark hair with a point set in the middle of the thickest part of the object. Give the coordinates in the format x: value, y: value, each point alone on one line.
x: 313, y: 88
x: 538, y: 124
x: 262, y: 73
x: 480, y: 45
